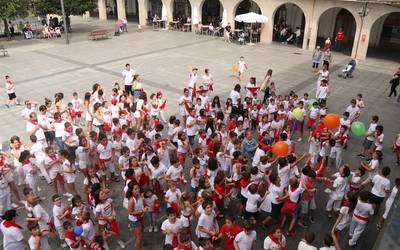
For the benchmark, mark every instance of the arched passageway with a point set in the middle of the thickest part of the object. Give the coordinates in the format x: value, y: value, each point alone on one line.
x: 341, y: 31
x: 384, y: 41
x: 211, y: 12
x: 289, y: 23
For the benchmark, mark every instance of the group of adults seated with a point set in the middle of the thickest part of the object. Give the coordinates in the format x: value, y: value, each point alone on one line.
x: 285, y: 34
x: 249, y: 33
x: 182, y: 23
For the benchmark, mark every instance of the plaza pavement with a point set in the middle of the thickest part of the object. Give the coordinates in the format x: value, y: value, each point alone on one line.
x: 40, y: 68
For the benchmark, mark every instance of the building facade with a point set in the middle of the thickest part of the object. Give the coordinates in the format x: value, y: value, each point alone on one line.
x: 365, y: 23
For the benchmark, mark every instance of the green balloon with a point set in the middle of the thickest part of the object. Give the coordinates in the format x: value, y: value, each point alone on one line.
x: 311, y: 103
x: 358, y: 128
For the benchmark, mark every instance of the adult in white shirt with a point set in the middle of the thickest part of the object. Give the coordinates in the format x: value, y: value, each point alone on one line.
x: 127, y: 75
x: 13, y: 238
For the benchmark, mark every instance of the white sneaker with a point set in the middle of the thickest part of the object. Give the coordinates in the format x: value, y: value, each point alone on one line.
x: 299, y: 140
x: 39, y: 189
x: 121, y: 244
x: 63, y: 244
x: 155, y: 229
x: 13, y: 205
x: 150, y: 229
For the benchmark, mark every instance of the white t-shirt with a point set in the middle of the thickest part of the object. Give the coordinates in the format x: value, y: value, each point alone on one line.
x: 190, y: 131
x: 89, y: 230
x: 381, y: 185
x: 245, y: 241
x: 172, y: 196
x: 9, y: 87
x: 340, y: 184
x: 12, y: 237
x: 364, y: 209
x: 323, y: 92
x: 275, y: 192
x: 283, y: 173
x: 128, y: 76
x: 269, y: 244
x: 353, y: 111
x: 44, y: 244
x: 58, y: 211
x: 295, y: 195
x: 104, y: 209
x: 345, y: 221
x: 207, y: 222
x: 174, y: 227
x: 39, y: 212
x: 305, y: 246
x: 379, y: 141
x: 175, y: 172
x: 235, y: 96
x: 371, y: 130
x: 105, y: 152
x: 252, y: 202
x: 59, y: 128
x: 257, y: 156
x: 39, y: 133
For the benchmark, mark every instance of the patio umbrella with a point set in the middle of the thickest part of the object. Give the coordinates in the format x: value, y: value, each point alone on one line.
x: 251, y: 17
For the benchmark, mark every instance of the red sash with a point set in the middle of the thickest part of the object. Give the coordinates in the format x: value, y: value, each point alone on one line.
x: 362, y: 218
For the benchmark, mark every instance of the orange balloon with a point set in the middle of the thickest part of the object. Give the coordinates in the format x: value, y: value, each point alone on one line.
x: 332, y: 121
x: 280, y: 148
x: 235, y: 68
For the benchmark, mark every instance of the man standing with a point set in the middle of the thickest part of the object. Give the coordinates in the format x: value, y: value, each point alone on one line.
x: 339, y: 39
x: 127, y: 75
x: 297, y: 36
x: 12, y: 97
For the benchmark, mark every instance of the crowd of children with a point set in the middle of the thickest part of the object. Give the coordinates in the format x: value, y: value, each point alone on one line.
x: 209, y: 169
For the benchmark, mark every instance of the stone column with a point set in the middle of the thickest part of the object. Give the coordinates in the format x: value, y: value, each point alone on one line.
x: 361, y: 40
x: 142, y: 12
x: 121, y: 9
x: 312, y: 35
x: 169, y: 4
x: 101, y: 6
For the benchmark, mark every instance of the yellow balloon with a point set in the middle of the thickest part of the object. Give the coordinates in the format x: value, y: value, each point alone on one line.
x: 297, y: 113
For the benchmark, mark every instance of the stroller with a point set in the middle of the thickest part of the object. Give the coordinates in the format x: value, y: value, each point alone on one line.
x: 349, y: 69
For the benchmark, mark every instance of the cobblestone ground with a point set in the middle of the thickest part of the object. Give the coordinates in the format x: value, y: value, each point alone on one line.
x: 39, y: 68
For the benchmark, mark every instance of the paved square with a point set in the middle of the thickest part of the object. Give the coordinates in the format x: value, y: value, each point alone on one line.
x: 163, y: 60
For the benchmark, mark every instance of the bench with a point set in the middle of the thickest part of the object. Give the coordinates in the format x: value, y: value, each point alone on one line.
x: 94, y: 35
x: 3, y: 50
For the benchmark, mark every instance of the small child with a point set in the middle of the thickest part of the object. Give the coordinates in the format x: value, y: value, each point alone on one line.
x: 37, y: 240
x: 171, y: 227
x: 339, y: 188
x: 60, y: 215
x: 151, y: 201
x: 69, y: 172
x: 73, y: 241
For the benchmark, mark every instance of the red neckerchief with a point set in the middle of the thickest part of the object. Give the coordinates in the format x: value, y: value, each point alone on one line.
x: 274, y: 239
x: 104, y: 144
x: 25, y: 162
x: 53, y: 157
x: 292, y: 188
x: 182, y: 246
x: 34, y: 122
x: 10, y: 223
